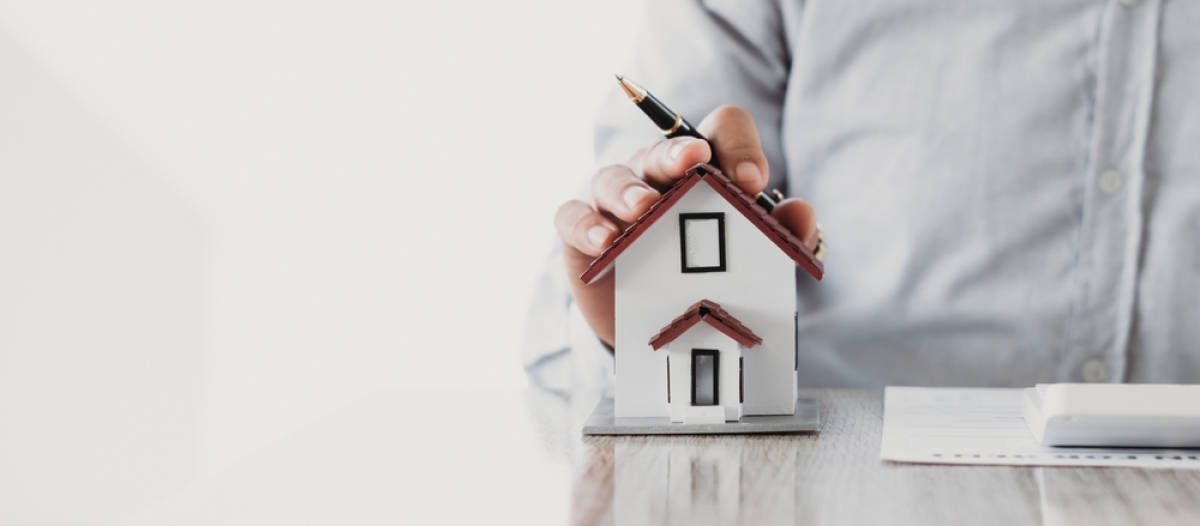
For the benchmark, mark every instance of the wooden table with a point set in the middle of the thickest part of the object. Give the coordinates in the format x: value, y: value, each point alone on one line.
x: 518, y: 457
x: 836, y: 477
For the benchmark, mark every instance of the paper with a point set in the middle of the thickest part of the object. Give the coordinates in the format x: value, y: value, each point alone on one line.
x: 985, y: 426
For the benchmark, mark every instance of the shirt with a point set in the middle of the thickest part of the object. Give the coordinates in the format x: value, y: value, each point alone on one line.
x: 1010, y: 189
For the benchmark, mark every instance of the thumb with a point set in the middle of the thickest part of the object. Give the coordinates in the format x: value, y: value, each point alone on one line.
x: 732, y: 132
x: 799, y: 217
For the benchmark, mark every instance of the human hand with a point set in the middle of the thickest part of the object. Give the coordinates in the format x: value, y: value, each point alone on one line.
x: 623, y: 192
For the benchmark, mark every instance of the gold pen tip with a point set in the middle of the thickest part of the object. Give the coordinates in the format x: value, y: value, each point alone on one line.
x: 633, y: 91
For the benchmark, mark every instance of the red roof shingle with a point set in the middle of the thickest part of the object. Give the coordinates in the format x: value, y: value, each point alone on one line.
x: 712, y: 314
x: 741, y: 201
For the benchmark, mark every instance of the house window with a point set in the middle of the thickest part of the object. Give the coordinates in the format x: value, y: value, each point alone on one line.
x: 702, y: 242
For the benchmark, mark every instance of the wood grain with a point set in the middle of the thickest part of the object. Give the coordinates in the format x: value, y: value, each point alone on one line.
x: 836, y: 477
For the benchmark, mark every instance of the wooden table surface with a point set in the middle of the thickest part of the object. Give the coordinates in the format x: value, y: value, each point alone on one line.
x: 836, y: 477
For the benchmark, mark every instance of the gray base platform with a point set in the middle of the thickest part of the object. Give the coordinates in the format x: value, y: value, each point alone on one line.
x: 602, y: 422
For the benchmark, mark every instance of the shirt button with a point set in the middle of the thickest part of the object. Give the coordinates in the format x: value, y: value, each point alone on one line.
x: 1130, y: 3
x: 1094, y: 371
x: 1110, y: 182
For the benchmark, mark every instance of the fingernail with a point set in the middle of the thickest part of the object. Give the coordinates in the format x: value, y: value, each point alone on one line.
x: 633, y: 195
x: 747, y: 172
x: 597, y: 235
x: 678, y: 147
x: 811, y: 240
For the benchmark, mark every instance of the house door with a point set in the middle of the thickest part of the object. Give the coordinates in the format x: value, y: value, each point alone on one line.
x: 705, y: 369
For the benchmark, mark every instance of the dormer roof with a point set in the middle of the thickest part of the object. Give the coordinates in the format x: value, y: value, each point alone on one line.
x: 711, y: 313
x: 741, y: 201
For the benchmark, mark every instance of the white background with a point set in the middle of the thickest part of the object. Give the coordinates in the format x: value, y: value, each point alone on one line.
x: 222, y: 220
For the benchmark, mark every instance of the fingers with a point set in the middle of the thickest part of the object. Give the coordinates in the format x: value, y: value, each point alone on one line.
x: 582, y: 228
x: 618, y: 191
x: 665, y: 162
x: 799, y: 217
x: 731, y: 130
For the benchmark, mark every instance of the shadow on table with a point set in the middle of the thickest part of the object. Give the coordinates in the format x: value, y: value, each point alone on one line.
x: 692, y: 480
x: 837, y: 477
x: 754, y: 480
x: 1118, y: 496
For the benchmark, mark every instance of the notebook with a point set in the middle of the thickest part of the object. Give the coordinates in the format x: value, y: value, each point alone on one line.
x: 986, y: 426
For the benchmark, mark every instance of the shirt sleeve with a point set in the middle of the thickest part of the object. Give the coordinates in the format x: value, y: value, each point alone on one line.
x: 560, y: 352
x: 695, y: 56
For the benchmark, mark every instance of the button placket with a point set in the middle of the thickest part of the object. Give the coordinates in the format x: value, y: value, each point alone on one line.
x: 1111, y: 224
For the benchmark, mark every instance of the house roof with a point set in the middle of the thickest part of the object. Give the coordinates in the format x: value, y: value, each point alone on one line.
x: 712, y: 314
x: 741, y: 201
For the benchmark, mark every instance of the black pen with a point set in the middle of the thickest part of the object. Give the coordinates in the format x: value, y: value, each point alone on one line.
x: 672, y: 125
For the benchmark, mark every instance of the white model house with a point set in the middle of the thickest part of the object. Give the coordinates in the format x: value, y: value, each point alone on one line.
x: 705, y: 306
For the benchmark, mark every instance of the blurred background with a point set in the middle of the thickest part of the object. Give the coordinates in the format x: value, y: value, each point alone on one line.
x: 221, y: 221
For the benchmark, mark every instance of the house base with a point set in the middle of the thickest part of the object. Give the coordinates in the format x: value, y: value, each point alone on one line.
x: 807, y: 419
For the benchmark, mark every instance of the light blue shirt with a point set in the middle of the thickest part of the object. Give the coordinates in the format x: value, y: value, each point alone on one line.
x: 1010, y: 189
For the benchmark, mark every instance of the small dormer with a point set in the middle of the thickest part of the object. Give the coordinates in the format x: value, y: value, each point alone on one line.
x: 705, y: 380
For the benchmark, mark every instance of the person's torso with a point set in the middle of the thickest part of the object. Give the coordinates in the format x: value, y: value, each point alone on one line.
x: 1010, y: 189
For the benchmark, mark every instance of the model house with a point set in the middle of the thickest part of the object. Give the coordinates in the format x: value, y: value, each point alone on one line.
x: 705, y: 306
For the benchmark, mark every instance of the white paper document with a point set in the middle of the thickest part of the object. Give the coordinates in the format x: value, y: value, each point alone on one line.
x: 985, y: 426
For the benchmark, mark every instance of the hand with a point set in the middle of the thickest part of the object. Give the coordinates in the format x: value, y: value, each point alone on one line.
x: 621, y: 193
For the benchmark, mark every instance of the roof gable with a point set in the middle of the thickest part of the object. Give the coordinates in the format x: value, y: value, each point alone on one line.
x: 711, y: 313
x: 741, y: 201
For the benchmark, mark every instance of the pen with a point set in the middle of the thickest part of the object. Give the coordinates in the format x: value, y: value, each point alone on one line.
x: 672, y: 125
